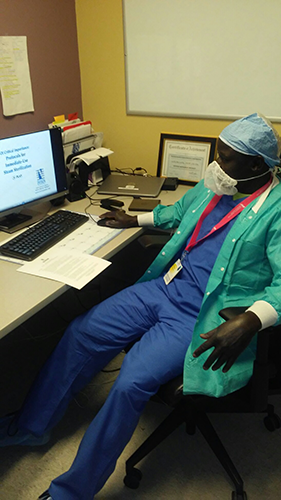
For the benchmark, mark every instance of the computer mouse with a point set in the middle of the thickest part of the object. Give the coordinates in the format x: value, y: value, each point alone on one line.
x: 102, y: 222
x: 111, y: 204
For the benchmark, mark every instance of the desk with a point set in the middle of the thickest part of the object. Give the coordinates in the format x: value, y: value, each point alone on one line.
x: 22, y: 295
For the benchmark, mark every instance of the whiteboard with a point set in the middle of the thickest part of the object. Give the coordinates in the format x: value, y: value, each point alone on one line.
x: 202, y: 58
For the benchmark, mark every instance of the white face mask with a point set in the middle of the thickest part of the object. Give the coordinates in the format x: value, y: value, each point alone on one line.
x: 218, y: 181
x: 221, y: 183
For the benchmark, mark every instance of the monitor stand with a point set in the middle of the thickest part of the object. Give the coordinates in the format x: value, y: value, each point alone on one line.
x: 12, y: 220
x: 16, y: 221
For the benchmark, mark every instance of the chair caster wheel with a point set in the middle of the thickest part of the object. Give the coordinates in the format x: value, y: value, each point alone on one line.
x: 239, y: 496
x: 132, y: 479
x: 272, y: 422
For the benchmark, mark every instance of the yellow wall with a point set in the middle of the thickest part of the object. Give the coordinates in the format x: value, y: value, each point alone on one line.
x: 134, y: 139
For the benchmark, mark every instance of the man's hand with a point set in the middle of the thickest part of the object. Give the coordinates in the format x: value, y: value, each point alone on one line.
x: 117, y: 219
x: 229, y: 340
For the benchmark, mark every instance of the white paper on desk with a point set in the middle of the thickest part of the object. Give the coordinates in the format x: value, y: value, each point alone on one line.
x: 102, y: 152
x: 15, y: 80
x: 93, y: 155
x: 73, y: 268
x: 89, y: 237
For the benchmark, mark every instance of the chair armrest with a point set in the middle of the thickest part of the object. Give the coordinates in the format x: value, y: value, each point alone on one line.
x: 155, y: 237
x: 232, y: 312
x: 153, y: 240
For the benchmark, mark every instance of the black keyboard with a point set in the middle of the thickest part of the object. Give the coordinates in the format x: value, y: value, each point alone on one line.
x: 37, y: 239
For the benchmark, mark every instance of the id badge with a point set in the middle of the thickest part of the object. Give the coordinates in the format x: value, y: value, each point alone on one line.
x: 173, y: 271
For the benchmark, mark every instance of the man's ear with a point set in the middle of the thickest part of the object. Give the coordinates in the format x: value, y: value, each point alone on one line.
x: 258, y: 164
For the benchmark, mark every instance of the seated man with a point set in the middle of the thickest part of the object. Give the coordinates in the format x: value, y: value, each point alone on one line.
x: 226, y: 251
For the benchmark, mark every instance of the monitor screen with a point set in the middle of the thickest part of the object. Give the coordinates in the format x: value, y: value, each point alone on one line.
x: 32, y: 171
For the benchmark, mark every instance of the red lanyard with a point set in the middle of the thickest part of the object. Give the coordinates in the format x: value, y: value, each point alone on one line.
x: 228, y: 217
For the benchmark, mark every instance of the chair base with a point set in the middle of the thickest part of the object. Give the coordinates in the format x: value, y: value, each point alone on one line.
x: 193, y: 418
x: 236, y: 496
x: 272, y: 421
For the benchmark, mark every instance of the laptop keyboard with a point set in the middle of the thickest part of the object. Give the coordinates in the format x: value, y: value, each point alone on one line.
x: 37, y: 239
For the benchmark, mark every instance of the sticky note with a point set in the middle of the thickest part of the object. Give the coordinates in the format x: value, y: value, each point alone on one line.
x: 72, y: 116
x: 59, y: 118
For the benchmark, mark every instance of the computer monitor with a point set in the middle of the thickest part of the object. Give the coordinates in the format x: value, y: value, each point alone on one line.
x: 32, y: 171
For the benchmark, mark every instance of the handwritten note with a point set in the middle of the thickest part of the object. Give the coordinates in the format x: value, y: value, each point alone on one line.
x: 15, y: 83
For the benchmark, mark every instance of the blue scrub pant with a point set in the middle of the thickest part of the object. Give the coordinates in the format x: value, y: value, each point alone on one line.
x: 89, y: 343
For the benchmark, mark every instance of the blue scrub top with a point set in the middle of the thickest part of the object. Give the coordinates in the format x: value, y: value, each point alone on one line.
x: 187, y: 289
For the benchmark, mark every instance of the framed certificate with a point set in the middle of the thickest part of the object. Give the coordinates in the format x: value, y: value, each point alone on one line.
x: 185, y: 157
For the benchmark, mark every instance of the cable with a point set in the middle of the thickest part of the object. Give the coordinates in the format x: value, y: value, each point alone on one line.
x: 42, y: 337
x: 133, y: 171
x: 95, y: 202
x: 122, y: 171
x: 67, y: 321
x: 139, y: 169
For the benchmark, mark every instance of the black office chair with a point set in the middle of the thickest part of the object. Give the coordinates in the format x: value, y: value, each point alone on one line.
x: 192, y: 410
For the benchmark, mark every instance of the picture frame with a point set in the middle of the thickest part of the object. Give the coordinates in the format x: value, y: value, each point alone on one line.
x: 185, y: 157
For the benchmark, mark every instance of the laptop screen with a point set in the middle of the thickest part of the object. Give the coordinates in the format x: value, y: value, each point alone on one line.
x: 132, y: 185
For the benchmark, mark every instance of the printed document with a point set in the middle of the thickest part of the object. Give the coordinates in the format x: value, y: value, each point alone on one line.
x: 73, y: 268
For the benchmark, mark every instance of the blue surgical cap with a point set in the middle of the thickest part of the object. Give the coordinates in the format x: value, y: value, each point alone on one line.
x: 254, y: 135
